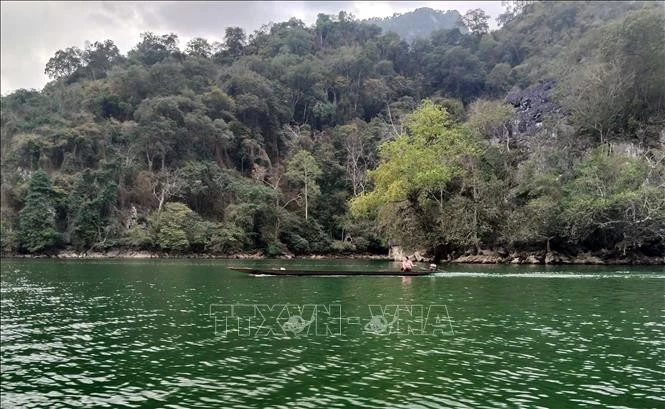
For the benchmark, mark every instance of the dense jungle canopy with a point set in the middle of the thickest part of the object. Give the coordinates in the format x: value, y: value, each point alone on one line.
x: 546, y: 134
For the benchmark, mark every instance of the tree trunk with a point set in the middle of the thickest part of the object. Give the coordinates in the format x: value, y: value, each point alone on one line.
x: 305, y: 200
x: 161, y: 202
x: 475, y: 211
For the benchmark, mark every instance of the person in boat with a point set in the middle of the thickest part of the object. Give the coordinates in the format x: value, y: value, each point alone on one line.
x: 407, y: 265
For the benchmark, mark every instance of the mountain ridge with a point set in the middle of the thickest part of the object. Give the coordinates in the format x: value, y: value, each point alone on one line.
x: 419, y: 23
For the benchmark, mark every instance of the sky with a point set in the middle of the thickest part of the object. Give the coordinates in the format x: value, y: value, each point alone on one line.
x: 32, y: 31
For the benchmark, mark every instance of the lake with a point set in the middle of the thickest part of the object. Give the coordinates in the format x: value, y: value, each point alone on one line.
x: 192, y: 333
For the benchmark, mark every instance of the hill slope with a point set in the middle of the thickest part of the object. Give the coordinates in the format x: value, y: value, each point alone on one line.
x: 260, y: 144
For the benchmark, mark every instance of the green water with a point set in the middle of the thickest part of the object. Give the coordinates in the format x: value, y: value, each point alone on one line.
x: 141, y: 334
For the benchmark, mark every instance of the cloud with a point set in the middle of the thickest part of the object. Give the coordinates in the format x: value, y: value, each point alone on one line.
x: 31, y: 32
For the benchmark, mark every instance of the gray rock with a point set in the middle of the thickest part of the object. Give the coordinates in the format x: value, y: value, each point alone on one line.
x: 532, y: 105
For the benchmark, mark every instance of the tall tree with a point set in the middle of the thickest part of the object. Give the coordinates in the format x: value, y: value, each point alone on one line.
x: 303, y: 169
x: 167, y: 184
x: 99, y: 57
x: 64, y: 63
x: 235, y: 41
x: 476, y: 21
x: 199, y: 47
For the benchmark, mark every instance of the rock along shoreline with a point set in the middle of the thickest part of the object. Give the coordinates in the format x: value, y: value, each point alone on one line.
x: 527, y: 258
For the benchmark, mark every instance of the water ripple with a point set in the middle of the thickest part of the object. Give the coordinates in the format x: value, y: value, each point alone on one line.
x: 144, y: 339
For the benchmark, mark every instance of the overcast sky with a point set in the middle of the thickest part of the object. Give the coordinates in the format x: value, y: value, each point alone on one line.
x: 33, y: 31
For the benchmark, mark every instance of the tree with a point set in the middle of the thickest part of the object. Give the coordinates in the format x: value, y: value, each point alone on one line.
x: 596, y: 97
x: 154, y: 48
x: 498, y: 80
x: 163, y: 128
x: 516, y: 6
x: 323, y: 28
x: 205, y: 187
x: 218, y: 104
x: 476, y: 21
x: 540, y: 193
x: 616, y: 202
x: 228, y: 127
x: 633, y: 53
x: 64, y: 63
x: 457, y: 72
x: 491, y: 119
x: 253, y: 213
x: 91, y: 205
x: 100, y: 57
x: 235, y: 41
x: 356, y: 152
x: 37, y: 218
x: 513, y: 8
x: 167, y: 184
x: 303, y: 169
x: 415, y: 169
x: 171, y: 227
x: 199, y: 47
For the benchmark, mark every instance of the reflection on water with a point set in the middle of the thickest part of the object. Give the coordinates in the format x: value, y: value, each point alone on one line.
x: 85, y: 334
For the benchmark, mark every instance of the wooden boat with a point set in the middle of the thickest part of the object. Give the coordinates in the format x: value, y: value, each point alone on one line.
x: 315, y: 272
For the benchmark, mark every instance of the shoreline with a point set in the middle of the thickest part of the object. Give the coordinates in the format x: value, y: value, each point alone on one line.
x: 521, y: 258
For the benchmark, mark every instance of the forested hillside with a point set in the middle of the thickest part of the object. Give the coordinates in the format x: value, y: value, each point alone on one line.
x: 545, y: 135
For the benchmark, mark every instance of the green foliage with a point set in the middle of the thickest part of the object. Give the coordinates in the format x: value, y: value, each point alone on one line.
x: 154, y: 48
x: 139, y: 237
x: 303, y: 236
x: 476, y: 21
x: 426, y: 159
x: 199, y: 47
x: 91, y: 204
x: 37, y: 218
x: 253, y: 213
x: 234, y: 41
x: 227, y: 239
x: 610, y: 203
x: 343, y: 247
x: 458, y: 72
x: 303, y: 169
x: 417, y: 168
x: 619, y: 91
x: 248, y: 133
x: 64, y: 63
x: 498, y: 80
x: 361, y: 234
x: 491, y: 120
x: 100, y: 57
x: 206, y: 187
x: 177, y: 228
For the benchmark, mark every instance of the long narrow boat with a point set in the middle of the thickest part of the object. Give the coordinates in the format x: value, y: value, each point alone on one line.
x: 314, y: 272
